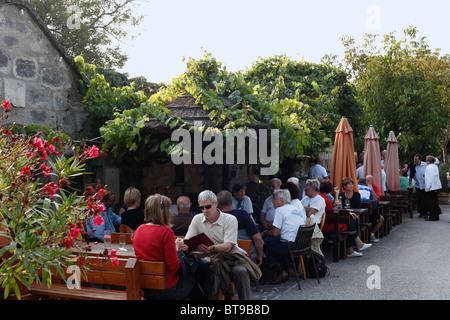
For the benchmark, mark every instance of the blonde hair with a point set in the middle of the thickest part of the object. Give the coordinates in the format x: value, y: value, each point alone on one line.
x: 157, y: 210
x: 132, y: 195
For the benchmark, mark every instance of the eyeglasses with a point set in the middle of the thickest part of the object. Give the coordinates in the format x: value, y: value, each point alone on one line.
x: 208, y: 206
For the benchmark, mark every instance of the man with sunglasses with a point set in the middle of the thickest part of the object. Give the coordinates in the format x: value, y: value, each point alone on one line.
x: 222, y: 229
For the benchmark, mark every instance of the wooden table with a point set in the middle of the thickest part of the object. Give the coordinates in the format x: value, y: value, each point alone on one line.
x: 98, y: 248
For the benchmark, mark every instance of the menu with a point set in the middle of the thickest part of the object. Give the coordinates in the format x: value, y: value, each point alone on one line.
x: 195, y: 241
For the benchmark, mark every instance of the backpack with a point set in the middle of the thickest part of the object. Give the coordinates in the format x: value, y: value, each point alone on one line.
x: 322, y: 269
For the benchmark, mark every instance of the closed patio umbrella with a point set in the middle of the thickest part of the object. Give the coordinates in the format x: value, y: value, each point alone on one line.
x: 391, y: 164
x: 344, y: 164
x: 372, y: 158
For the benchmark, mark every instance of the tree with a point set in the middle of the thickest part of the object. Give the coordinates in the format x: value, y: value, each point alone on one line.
x: 88, y: 28
x: 404, y: 86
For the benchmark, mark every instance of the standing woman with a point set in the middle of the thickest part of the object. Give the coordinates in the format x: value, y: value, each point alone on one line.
x: 155, y: 241
x: 352, y: 200
x: 432, y: 186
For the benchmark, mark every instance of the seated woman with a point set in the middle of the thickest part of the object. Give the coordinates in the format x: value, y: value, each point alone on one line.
x: 155, y: 241
x: 133, y: 216
x: 352, y: 200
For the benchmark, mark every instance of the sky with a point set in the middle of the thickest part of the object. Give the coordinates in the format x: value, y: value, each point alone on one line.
x: 237, y: 32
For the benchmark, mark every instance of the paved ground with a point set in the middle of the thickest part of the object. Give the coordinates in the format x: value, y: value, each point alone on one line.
x: 413, y: 263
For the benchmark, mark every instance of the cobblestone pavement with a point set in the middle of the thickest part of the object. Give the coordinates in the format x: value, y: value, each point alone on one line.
x: 412, y: 262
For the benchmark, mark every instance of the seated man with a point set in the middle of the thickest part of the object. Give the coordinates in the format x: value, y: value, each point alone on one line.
x: 222, y: 229
x: 247, y: 229
x: 268, y: 210
x: 181, y: 221
x: 313, y: 202
x: 240, y: 200
x: 285, y: 227
x: 375, y: 217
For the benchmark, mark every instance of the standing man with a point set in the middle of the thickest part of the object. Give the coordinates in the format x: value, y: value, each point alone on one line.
x: 419, y: 180
x: 432, y: 185
x: 318, y: 171
x: 222, y: 229
x: 268, y: 210
x: 240, y: 200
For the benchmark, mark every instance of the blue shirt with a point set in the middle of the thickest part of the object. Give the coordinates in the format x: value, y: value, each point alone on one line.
x: 365, y: 192
x: 110, y: 220
x: 419, y: 177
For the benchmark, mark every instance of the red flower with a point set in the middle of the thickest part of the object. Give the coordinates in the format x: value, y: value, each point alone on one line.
x: 74, y: 232
x: 45, y: 170
x: 80, y: 261
x: 25, y: 171
x: 63, y: 182
x: 38, y: 144
x: 67, y: 242
x: 5, y: 104
x: 115, y: 261
x: 93, y: 152
x: 113, y: 253
x: 51, y: 188
x: 98, y: 221
x: 56, y: 139
x: 101, y: 193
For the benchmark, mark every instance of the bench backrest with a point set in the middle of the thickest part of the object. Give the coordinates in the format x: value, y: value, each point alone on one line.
x: 144, y: 274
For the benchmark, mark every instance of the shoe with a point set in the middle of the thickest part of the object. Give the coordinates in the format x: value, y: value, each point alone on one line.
x: 281, y: 278
x: 428, y: 219
x: 355, y: 254
x: 374, y: 239
x: 365, y: 246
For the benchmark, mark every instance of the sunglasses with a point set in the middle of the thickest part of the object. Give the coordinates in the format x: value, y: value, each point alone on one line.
x: 208, y: 206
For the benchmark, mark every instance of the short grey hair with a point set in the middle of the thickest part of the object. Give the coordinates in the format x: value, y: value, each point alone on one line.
x: 314, y: 183
x: 283, y: 194
x: 207, y: 195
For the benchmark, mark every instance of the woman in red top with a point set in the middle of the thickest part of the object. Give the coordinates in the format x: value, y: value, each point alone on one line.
x: 155, y: 241
x: 325, y: 188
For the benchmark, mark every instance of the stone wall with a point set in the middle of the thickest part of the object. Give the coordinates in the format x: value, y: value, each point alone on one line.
x: 38, y: 82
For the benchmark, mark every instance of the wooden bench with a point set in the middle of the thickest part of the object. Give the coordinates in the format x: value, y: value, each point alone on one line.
x: 406, y: 198
x: 338, y: 237
x: 125, y: 281
x: 396, y: 208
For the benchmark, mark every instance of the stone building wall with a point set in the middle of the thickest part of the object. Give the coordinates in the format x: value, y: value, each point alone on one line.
x: 34, y: 76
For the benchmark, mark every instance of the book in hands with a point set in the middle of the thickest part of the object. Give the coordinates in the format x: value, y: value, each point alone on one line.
x: 195, y: 241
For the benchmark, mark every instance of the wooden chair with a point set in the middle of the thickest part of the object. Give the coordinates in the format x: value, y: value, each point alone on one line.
x: 301, y: 247
x: 124, y: 228
x: 365, y: 226
x: 338, y: 237
x: 324, y: 216
x: 406, y: 197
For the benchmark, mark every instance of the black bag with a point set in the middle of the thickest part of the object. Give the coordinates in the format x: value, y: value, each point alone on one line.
x: 192, y: 266
x: 322, y: 269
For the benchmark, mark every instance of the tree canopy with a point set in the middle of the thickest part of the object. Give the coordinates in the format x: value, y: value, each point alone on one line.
x: 404, y: 86
x: 90, y: 28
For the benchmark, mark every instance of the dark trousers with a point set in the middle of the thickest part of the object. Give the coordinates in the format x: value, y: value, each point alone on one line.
x: 420, y: 197
x: 432, y: 204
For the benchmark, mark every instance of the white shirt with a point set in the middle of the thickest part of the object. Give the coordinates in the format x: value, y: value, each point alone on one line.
x: 269, y: 209
x: 317, y: 203
x: 432, y: 180
x: 297, y: 203
x: 288, y: 219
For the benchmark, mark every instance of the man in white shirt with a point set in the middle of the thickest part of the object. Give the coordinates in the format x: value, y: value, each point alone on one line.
x: 432, y: 185
x: 313, y: 202
x: 318, y: 171
x: 285, y: 227
x: 268, y: 210
x: 419, y: 179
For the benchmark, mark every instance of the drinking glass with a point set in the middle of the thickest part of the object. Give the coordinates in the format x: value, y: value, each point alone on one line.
x: 122, y: 242
x: 347, y: 203
x: 107, y: 239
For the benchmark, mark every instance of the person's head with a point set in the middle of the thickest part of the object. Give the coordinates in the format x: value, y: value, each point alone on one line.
x: 312, y: 187
x: 294, y: 191
x: 157, y: 210
x: 362, y: 181
x: 224, y: 199
x: 326, y: 186
x: 383, y: 154
x: 183, y: 204
x: 207, y: 203
x: 347, y: 184
x: 404, y: 173
x: 430, y: 159
x: 108, y: 199
x: 274, y: 184
x: 239, y: 190
x: 319, y: 160
x: 254, y: 178
x: 417, y: 159
x: 132, y: 197
x: 281, y: 197
x: 369, y: 179
x: 294, y: 180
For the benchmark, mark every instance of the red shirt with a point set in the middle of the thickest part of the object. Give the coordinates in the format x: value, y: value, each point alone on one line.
x: 328, y: 227
x: 376, y: 189
x: 157, y: 243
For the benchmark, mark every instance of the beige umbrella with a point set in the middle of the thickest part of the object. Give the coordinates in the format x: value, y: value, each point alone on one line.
x: 344, y: 164
x: 372, y: 158
x: 391, y: 164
